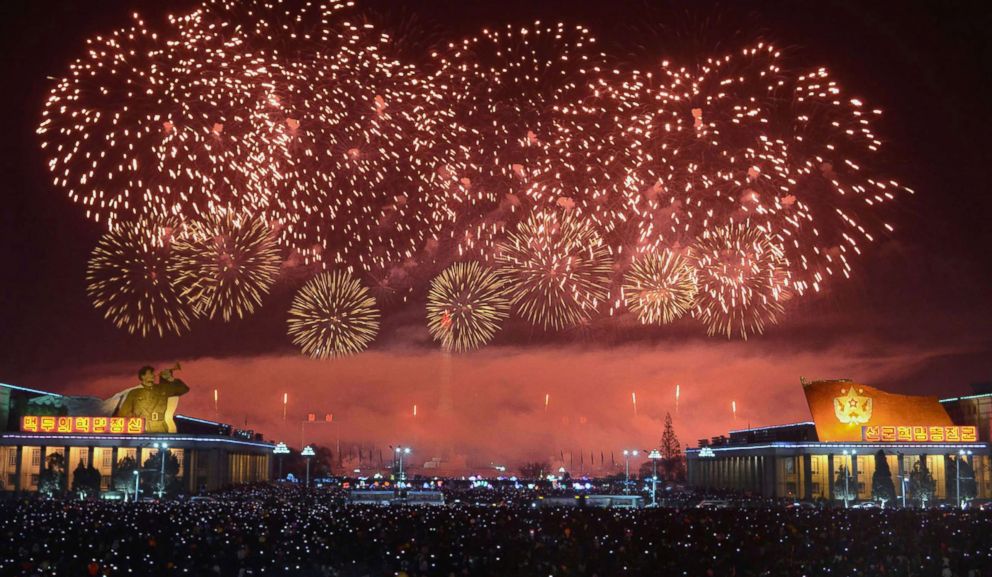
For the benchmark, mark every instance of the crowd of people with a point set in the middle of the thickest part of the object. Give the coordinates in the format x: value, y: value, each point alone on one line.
x: 287, y: 530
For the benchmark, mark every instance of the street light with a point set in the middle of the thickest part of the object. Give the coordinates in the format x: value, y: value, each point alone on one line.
x: 961, y: 454
x: 654, y: 455
x: 847, y: 474
x: 627, y: 454
x: 308, y: 452
x: 280, y: 450
x: 137, y: 476
x: 905, y: 480
x: 161, y: 478
x: 400, y: 451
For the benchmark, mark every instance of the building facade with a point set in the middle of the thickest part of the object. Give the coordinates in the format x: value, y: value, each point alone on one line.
x: 854, y: 428
x: 34, y: 425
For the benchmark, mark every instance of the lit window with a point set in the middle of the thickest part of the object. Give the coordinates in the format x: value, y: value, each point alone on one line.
x: 36, y: 457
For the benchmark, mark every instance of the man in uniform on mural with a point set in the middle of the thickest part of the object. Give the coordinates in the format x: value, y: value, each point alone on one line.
x: 155, y: 402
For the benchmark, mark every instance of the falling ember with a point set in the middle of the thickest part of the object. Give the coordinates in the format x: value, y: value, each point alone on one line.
x: 660, y: 287
x: 557, y: 268
x: 633, y: 398
x: 415, y: 410
x: 333, y: 315
x: 285, y: 401
x: 215, y: 402
x: 466, y: 306
x: 733, y: 408
x: 225, y: 267
x: 678, y: 391
x: 742, y: 280
x: 547, y: 400
x: 131, y: 278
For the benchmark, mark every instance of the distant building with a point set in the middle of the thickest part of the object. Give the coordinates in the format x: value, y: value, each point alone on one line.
x: 35, y: 424
x: 851, y: 423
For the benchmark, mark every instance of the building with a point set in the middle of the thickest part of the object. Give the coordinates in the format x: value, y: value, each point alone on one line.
x: 36, y: 424
x: 850, y: 424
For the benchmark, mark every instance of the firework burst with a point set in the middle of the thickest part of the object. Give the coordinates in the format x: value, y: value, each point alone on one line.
x: 225, y: 266
x: 742, y: 279
x: 131, y: 279
x: 660, y: 287
x: 516, y: 146
x: 501, y: 88
x: 741, y: 138
x: 333, y: 315
x: 466, y: 304
x: 557, y: 268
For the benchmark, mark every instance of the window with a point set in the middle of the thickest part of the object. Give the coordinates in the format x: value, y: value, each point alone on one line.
x: 36, y: 457
x: 34, y: 480
x: 107, y: 458
x: 12, y: 457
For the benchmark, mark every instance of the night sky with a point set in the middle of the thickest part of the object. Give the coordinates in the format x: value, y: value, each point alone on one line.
x: 915, y: 317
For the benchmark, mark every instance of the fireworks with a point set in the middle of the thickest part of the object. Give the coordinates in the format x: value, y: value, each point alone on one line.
x: 333, y: 315
x: 226, y: 266
x: 292, y: 114
x: 131, y: 278
x: 517, y: 147
x: 742, y: 280
x: 660, y: 287
x: 743, y: 138
x: 466, y: 304
x: 557, y: 267
x: 131, y: 131
x: 502, y: 136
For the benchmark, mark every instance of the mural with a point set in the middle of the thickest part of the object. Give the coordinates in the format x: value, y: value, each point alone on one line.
x: 149, y: 407
x: 842, y: 408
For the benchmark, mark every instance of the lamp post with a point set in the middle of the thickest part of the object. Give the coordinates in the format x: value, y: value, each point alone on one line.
x: 280, y: 450
x: 904, y: 479
x: 847, y: 474
x: 961, y: 454
x: 400, y: 451
x: 627, y: 454
x: 308, y: 452
x: 137, y: 476
x: 161, y: 478
x: 654, y: 455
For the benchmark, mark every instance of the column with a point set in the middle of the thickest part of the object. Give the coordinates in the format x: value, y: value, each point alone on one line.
x: 902, y: 474
x: 189, y: 470
x: 755, y: 484
x: 949, y: 487
x: 113, y: 467
x: 830, y: 476
x: 854, y: 476
x: 17, y: 469
x: 769, y: 487
x: 807, y: 477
